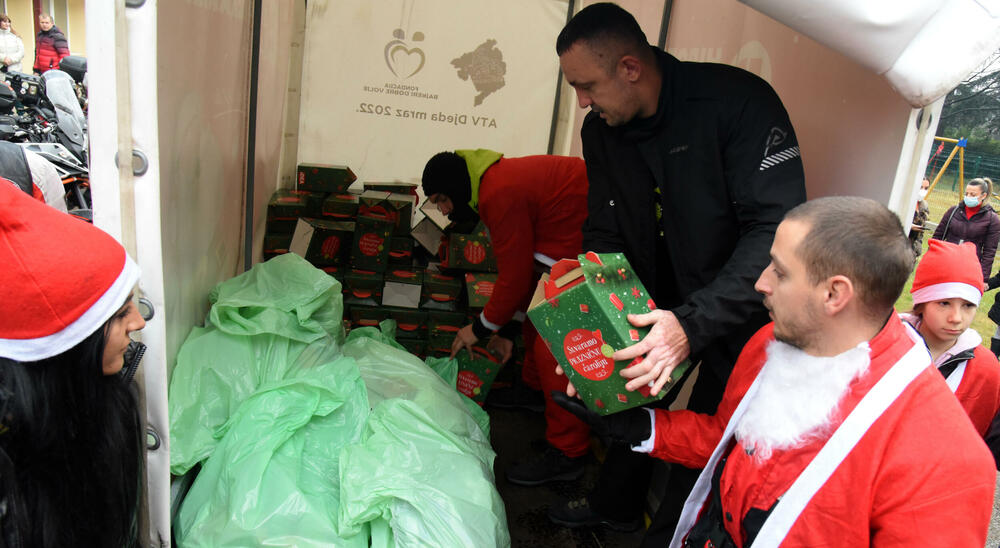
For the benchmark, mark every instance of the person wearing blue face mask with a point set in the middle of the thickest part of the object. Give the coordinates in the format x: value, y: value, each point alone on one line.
x: 973, y: 220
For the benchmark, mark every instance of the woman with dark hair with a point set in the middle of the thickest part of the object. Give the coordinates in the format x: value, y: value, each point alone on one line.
x: 973, y: 220
x: 70, y: 432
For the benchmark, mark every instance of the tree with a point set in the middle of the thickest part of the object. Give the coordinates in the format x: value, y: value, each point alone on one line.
x: 973, y: 107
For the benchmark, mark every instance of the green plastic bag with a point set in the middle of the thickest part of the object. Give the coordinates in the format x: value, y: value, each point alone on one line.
x: 277, y: 408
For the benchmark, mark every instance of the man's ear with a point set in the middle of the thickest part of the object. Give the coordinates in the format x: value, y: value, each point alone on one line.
x: 631, y: 67
x: 838, y: 293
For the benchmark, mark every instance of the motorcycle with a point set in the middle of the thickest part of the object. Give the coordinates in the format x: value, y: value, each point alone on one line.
x: 45, y: 114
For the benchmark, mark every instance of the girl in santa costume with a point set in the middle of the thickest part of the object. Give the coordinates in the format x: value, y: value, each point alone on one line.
x: 70, y: 434
x: 947, y: 287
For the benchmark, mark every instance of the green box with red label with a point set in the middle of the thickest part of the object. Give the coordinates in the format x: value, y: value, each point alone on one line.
x: 410, y: 323
x: 341, y: 206
x: 440, y: 291
x: 396, y: 187
x: 479, y: 288
x: 324, y: 178
x: 322, y: 242
x: 366, y: 316
x: 363, y: 287
x: 476, y: 373
x: 439, y: 344
x: 401, y: 250
x: 393, y: 207
x: 371, y: 244
x: 443, y: 322
x: 471, y: 251
x: 580, y: 310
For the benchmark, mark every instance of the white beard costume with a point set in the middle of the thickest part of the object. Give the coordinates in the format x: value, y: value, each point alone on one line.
x: 797, y: 396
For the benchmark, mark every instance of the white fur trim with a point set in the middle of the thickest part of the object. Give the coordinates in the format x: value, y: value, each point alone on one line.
x: 492, y: 326
x: 647, y: 445
x: 30, y: 350
x: 949, y: 290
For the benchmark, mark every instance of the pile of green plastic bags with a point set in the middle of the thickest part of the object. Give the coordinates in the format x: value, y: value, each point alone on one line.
x: 306, y: 437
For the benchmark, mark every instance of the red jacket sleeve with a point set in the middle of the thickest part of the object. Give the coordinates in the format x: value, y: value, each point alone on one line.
x: 689, y: 438
x: 979, y: 391
x: 511, y: 223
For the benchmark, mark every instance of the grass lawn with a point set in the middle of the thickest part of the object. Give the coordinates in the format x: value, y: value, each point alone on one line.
x: 939, y: 200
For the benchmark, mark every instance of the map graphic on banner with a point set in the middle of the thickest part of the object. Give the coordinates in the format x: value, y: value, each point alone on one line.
x: 409, y: 82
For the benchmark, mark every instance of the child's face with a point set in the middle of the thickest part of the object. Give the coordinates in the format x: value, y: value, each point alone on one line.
x: 945, y: 320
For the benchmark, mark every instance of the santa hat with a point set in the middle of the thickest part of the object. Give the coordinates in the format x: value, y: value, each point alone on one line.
x: 61, y: 278
x: 948, y: 271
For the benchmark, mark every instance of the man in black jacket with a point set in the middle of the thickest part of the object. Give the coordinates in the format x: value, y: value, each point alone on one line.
x: 692, y: 167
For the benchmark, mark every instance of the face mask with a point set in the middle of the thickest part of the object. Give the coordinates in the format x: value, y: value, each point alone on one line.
x: 971, y: 202
x: 133, y: 355
x: 923, y: 194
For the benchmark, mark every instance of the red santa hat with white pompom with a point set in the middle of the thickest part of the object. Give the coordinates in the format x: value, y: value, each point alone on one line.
x: 948, y: 271
x: 61, y: 278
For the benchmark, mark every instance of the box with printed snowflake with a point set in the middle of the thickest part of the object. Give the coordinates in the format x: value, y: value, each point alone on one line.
x: 471, y: 251
x: 580, y: 310
x: 476, y: 372
x: 371, y: 244
x: 322, y: 242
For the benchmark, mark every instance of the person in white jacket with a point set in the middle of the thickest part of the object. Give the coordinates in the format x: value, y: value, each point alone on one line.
x: 11, y: 46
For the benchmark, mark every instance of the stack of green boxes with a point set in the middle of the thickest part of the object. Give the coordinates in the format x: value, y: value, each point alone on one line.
x: 365, y: 241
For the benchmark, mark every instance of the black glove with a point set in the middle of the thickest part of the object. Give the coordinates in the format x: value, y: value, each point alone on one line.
x: 630, y: 427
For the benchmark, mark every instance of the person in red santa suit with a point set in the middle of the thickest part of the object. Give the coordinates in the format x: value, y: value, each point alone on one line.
x: 947, y: 287
x: 834, y: 429
x: 533, y: 207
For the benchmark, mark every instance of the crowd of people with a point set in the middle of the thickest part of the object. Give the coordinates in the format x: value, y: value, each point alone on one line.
x: 820, y: 414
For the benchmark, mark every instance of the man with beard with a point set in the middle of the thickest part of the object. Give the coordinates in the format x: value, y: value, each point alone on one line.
x: 833, y: 428
x: 533, y: 207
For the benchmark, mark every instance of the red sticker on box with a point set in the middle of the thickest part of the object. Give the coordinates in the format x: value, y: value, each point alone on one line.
x: 623, y: 398
x: 331, y: 246
x: 633, y: 334
x: 584, y: 308
x: 469, y: 384
x: 370, y: 244
x: 474, y: 252
x: 651, y: 304
x: 617, y: 302
x: 484, y: 289
x: 302, y: 177
x: 588, y: 354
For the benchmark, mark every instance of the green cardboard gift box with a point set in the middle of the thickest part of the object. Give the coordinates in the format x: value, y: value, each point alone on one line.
x: 291, y: 204
x: 341, y: 206
x: 324, y: 178
x: 371, y: 244
x: 276, y: 243
x: 401, y: 250
x: 322, y: 242
x: 394, y: 207
x: 417, y: 347
x: 443, y: 322
x: 440, y: 291
x: 410, y: 323
x: 476, y: 372
x: 479, y: 288
x: 471, y: 251
x: 367, y: 316
x: 363, y: 287
x: 402, y: 286
x: 580, y: 311
x: 397, y: 187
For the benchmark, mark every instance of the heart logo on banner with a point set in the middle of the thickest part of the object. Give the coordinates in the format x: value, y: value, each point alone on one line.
x: 402, y: 61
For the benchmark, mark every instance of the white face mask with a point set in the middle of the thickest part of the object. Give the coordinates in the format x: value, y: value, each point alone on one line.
x: 922, y: 194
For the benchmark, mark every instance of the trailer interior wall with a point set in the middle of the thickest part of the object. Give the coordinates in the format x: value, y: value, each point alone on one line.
x: 851, y: 125
x: 385, y: 85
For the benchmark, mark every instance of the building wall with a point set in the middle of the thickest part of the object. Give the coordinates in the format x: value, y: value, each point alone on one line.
x: 68, y: 15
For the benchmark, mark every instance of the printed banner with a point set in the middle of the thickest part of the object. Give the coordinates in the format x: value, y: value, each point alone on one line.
x: 386, y: 84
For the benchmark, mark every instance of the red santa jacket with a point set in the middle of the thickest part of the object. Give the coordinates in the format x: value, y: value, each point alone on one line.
x: 533, y: 204
x: 919, y: 476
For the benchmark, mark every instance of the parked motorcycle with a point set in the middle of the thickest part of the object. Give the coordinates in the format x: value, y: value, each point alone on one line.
x: 45, y: 114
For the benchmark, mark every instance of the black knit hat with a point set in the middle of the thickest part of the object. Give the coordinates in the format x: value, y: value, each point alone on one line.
x: 446, y: 173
